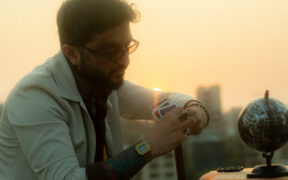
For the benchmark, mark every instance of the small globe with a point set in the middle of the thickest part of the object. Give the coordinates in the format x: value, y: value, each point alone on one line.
x: 263, y: 124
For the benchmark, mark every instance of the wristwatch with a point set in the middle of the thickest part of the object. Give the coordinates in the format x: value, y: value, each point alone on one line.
x: 143, y: 149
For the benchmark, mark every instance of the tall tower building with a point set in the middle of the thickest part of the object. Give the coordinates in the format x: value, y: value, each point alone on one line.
x: 210, y: 97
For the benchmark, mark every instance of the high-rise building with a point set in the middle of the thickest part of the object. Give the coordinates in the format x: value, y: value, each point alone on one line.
x: 231, y: 121
x: 161, y: 168
x: 210, y: 97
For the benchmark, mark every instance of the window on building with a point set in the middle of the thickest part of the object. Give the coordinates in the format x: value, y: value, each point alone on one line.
x: 170, y: 174
x: 154, y: 165
x: 154, y: 175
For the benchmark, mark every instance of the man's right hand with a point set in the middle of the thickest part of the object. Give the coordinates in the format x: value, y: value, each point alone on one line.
x: 168, y: 133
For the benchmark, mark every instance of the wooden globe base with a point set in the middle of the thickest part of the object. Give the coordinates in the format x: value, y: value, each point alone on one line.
x: 268, y: 170
x: 265, y: 171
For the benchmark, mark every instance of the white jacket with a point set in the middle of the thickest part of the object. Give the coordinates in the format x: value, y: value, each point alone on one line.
x: 46, y: 131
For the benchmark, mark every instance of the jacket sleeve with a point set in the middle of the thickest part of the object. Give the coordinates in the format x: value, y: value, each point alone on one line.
x: 40, y: 125
x: 135, y: 102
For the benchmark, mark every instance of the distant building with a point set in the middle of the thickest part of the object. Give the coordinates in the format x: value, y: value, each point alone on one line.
x: 1, y: 106
x: 231, y: 121
x: 208, y: 155
x: 211, y: 98
x: 161, y: 168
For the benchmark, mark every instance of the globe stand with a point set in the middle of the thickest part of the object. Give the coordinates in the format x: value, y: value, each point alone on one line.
x: 268, y: 170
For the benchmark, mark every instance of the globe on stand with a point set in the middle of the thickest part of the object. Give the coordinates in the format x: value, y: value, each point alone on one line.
x: 263, y: 126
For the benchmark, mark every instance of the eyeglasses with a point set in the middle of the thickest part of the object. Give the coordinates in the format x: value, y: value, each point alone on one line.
x: 116, y: 55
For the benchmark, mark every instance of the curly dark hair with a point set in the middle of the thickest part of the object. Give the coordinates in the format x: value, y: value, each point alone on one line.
x: 79, y: 20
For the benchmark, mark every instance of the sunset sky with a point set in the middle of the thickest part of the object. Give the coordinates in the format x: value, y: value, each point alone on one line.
x: 241, y: 45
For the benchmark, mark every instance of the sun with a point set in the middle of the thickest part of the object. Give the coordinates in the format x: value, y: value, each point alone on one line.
x: 156, y: 89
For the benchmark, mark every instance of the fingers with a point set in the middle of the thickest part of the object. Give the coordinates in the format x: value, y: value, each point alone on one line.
x: 189, y: 122
x: 177, y: 137
x: 192, y: 112
x: 173, y: 114
x: 194, y: 124
x: 168, y: 132
x: 183, y: 116
x: 177, y: 110
x: 192, y: 121
x: 186, y: 121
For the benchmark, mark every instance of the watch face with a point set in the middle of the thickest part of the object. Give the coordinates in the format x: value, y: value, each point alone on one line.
x: 142, y: 147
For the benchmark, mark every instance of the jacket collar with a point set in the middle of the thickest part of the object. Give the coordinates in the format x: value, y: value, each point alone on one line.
x: 64, y: 78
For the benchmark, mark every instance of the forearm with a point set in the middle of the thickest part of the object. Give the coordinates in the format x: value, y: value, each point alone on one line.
x: 123, y: 166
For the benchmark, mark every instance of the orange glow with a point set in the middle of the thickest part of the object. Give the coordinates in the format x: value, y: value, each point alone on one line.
x: 156, y: 97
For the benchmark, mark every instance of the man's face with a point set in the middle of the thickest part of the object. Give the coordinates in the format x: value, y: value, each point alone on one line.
x: 100, y: 67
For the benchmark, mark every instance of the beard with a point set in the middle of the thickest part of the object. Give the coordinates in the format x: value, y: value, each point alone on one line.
x: 98, y: 77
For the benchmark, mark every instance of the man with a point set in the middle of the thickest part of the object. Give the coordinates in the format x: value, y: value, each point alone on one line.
x: 62, y: 120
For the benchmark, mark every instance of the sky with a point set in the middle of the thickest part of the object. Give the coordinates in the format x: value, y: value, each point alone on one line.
x: 240, y: 45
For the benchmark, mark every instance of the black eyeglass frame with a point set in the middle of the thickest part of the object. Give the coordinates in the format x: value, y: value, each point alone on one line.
x: 130, y: 49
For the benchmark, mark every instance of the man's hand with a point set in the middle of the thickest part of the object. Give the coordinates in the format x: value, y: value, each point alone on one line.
x: 169, y: 132
x: 196, y: 114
